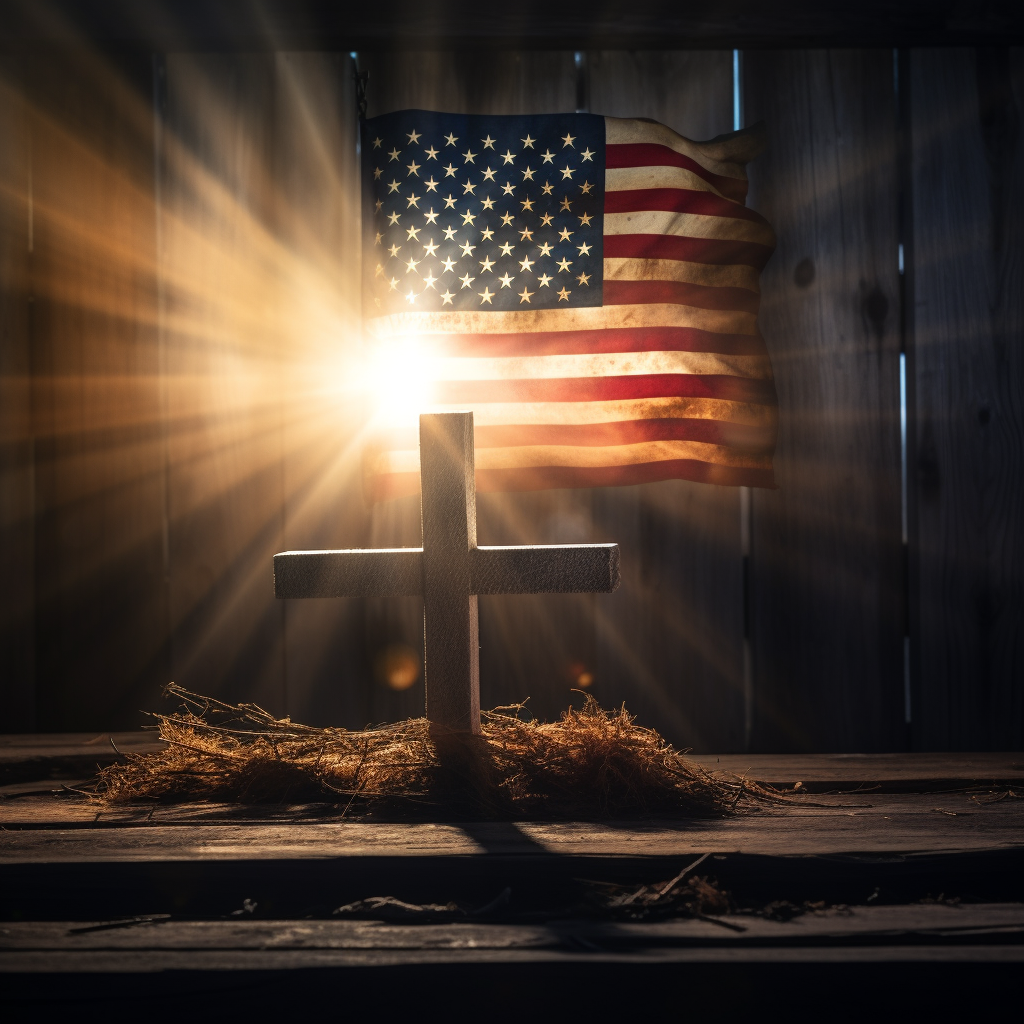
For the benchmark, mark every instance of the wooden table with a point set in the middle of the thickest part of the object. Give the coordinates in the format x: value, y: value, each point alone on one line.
x: 878, y: 861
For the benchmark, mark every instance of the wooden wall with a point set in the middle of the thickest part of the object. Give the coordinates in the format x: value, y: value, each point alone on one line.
x: 259, y: 235
x: 967, y: 374
x: 178, y: 258
x: 827, y: 564
x: 17, y: 597
x: 91, y: 553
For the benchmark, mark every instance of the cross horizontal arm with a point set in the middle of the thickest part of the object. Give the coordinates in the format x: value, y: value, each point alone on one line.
x: 398, y: 572
x: 545, y: 569
x: 387, y: 572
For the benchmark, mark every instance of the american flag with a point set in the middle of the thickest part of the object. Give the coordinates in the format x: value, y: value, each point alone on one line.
x: 588, y: 286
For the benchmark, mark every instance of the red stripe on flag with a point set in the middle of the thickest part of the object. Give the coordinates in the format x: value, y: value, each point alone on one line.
x: 610, y: 339
x: 752, y: 439
x: 542, y: 478
x: 396, y: 485
x: 677, y: 200
x: 643, y: 154
x: 716, y: 251
x: 607, y: 389
x: 628, y: 293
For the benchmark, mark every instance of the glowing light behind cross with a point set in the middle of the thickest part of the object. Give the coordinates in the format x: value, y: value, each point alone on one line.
x: 399, y: 374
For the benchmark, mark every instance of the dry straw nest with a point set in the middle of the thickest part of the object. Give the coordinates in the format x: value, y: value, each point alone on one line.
x: 592, y: 763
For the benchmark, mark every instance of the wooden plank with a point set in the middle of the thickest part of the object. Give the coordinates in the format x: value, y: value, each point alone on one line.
x: 826, y: 564
x: 670, y: 640
x: 470, y: 81
x: 935, y: 922
x: 532, y: 647
x: 17, y: 747
x: 51, y: 831
x: 220, y: 271
x: 966, y: 369
x: 689, y: 90
x: 847, y: 771
x: 571, y: 24
x: 44, y: 804
x: 513, y: 964
x: 883, y: 771
x: 17, y: 649
x: 317, y: 219
x: 100, y: 611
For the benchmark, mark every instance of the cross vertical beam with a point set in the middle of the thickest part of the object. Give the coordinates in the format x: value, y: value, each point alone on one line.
x: 451, y: 626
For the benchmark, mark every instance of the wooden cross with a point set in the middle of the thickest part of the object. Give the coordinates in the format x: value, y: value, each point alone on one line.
x: 450, y: 570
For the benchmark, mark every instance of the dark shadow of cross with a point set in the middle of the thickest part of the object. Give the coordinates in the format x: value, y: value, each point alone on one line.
x: 449, y: 571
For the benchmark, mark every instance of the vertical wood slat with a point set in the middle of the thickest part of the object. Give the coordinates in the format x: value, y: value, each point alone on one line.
x: 966, y: 373
x: 531, y: 646
x: 17, y: 634
x: 826, y: 546
x: 100, y: 617
x: 317, y: 217
x: 221, y: 267
x: 670, y: 640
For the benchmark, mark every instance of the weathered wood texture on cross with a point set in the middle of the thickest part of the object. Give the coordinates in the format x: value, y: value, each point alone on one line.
x: 450, y: 570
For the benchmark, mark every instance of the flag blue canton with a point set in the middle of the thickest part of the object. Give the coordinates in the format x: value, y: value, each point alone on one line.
x: 468, y: 212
